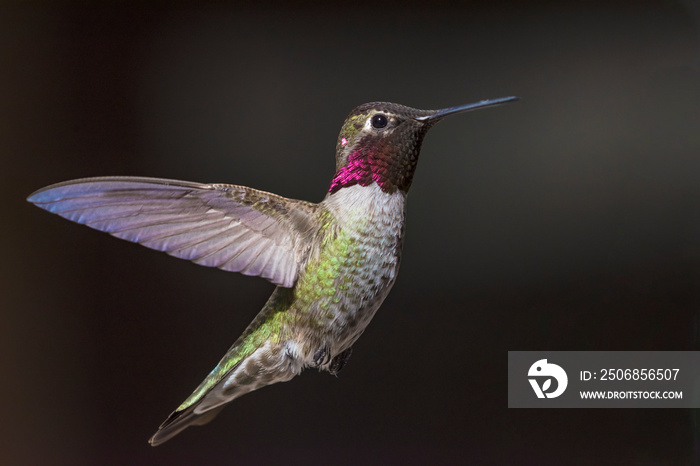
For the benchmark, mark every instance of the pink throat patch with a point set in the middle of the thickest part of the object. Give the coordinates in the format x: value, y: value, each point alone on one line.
x: 357, y: 171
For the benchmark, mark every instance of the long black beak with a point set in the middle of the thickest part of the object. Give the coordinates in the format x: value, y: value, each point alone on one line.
x: 466, y: 108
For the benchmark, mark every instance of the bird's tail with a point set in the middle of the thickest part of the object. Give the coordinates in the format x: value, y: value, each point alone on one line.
x: 266, y: 365
x: 179, y: 421
x: 254, y: 361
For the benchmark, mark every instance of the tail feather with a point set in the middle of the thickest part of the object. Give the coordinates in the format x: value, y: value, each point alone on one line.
x: 265, y: 365
x: 181, y: 420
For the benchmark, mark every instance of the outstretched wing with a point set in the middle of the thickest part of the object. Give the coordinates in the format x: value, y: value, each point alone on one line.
x: 234, y: 228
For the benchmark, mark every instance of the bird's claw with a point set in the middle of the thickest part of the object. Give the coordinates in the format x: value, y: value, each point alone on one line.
x: 338, y: 362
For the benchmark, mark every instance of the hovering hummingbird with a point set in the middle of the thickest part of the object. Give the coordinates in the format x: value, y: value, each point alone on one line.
x: 333, y: 262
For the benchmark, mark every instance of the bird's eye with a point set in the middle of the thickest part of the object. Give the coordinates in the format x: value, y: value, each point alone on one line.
x: 379, y: 121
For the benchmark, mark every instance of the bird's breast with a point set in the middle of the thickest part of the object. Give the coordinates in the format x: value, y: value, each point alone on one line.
x: 352, y: 268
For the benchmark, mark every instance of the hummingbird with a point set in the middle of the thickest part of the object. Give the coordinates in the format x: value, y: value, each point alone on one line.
x: 333, y: 262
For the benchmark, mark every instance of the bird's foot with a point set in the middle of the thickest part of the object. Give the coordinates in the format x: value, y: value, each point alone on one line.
x: 338, y: 362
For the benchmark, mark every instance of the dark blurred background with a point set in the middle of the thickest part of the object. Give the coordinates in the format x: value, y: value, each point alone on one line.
x: 567, y: 221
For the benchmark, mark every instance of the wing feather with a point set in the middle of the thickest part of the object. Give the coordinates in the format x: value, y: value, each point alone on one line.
x: 184, y: 237
x: 227, y: 226
x: 257, y: 267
